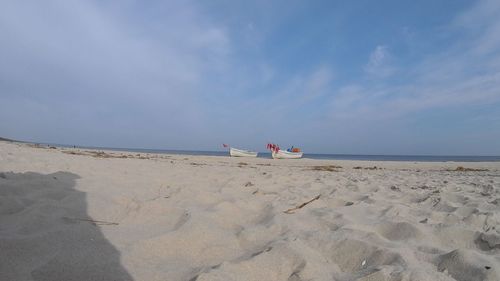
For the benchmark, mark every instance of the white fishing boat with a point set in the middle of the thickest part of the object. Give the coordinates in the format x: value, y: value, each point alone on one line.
x: 283, y: 154
x: 234, y: 152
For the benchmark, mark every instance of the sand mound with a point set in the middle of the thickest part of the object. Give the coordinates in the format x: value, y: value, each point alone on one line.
x: 489, y: 241
x: 354, y: 255
x: 464, y: 265
x: 276, y: 262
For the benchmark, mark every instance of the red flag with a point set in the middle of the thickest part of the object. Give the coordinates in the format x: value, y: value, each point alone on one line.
x: 225, y: 145
x: 274, y: 147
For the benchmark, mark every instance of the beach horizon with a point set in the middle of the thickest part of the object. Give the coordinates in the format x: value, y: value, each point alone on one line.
x: 266, y: 154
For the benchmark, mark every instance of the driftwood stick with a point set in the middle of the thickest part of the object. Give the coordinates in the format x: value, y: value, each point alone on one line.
x: 94, y: 222
x: 292, y: 210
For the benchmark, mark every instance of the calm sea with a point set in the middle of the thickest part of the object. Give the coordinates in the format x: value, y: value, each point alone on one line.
x: 411, y: 158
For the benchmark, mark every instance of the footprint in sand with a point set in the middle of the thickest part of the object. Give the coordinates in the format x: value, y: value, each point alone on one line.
x: 400, y: 231
x: 182, y: 220
x: 489, y: 241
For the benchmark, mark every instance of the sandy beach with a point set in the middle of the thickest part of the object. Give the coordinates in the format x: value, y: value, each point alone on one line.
x: 75, y: 214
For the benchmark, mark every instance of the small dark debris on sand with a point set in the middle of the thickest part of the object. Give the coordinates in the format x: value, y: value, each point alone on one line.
x: 367, y: 168
x: 395, y: 188
x: 326, y: 168
x: 424, y: 187
x: 249, y: 184
x: 436, y: 201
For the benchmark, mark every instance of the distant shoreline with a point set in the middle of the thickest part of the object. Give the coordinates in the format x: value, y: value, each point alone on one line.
x: 5, y: 139
x: 360, y: 157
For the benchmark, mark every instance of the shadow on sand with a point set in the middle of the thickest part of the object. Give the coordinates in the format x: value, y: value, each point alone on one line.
x: 45, y: 233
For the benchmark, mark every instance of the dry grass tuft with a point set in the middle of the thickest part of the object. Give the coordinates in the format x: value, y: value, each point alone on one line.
x: 102, y: 154
x: 463, y: 169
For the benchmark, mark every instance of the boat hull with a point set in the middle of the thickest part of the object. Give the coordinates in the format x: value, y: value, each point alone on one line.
x: 281, y: 154
x: 234, y: 152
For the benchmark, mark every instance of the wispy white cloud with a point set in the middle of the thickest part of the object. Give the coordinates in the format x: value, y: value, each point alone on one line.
x: 457, y: 76
x: 379, y: 63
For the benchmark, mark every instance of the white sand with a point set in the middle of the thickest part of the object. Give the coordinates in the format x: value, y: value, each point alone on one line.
x: 211, y: 218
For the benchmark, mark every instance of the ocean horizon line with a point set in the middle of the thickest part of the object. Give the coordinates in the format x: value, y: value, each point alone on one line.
x: 318, y: 156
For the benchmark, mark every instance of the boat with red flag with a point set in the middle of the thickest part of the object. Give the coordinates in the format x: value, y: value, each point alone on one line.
x: 278, y: 153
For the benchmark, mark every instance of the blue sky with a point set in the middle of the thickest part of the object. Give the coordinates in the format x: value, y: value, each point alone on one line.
x: 361, y: 77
